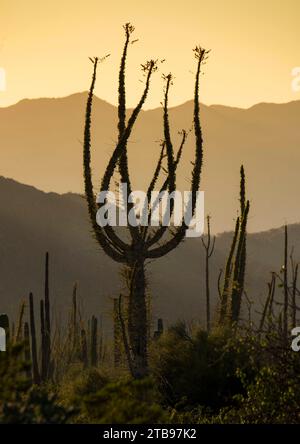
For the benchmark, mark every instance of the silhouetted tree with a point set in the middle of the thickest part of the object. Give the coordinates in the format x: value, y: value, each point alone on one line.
x: 143, y: 245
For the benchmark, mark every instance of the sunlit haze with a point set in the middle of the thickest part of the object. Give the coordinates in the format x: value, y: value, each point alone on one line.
x: 44, y: 48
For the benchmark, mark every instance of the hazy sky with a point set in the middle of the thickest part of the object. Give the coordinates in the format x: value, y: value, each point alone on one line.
x: 44, y: 47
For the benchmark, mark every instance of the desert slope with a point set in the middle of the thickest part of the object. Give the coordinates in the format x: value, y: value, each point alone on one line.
x: 32, y: 222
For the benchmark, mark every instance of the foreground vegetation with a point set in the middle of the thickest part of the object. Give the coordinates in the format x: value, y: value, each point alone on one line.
x: 233, y: 371
x: 196, y: 377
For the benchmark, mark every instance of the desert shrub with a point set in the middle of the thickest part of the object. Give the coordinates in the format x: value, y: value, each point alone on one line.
x: 20, y: 402
x: 272, y: 398
x: 188, y: 415
x: 105, y: 400
x: 126, y: 401
x: 197, y: 369
x: 37, y: 406
x: 78, y: 383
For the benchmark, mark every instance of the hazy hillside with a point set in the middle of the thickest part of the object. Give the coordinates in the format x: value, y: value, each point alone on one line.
x: 41, y: 145
x: 32, y: 222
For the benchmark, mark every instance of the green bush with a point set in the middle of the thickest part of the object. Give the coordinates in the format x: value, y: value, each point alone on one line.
x: 197, y: 369
x: 272, y: 398
x: 125, y: 402
x: 21, y: 403
x: 78, y: 383
x: 103, y: 400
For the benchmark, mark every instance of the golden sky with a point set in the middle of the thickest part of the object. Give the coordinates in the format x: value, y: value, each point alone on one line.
x: 44, y: 48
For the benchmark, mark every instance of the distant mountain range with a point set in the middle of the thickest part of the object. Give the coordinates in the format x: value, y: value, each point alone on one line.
x: 33, y: 222
x: 41, y: 145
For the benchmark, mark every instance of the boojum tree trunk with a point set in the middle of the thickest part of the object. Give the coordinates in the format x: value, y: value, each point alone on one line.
x: 137, y: 318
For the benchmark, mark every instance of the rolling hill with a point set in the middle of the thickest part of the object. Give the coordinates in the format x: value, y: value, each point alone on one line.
x: 32, y: 222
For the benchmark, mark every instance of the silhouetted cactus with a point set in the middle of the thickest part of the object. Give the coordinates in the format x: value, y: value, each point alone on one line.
x: 240, y: 265
x: 101, y: 347
x: 47, y: 338
x: 285, y: 285
x: 267, y: 313
x: 74, y: 318
x: 295, y: 268
x: 47, y: 364
x: 44, y: 370
x: 117, y: 334
x: 13, y: 330
x: 225, y: 295
x: 35, y: 368
x: 160, y: 329
x: 84, y: 348
x: 239, y: 269
x: 234, y: 278
x: 209, y: 246
x: 94, y: 342
x: 19, y: 332
x: 272, y: 289
x: 27, y: 349
x: 143, y: 244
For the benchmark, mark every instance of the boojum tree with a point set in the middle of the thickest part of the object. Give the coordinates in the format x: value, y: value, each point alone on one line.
x: 144, y: 244
x: 234, y: 278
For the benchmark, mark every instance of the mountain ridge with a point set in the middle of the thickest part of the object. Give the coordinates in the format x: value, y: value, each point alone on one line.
x: 41, y: 144
x: 84, y: 93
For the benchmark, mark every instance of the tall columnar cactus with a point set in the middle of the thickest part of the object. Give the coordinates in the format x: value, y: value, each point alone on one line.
x: 117, y: 334
x: 101, y: 345
x: 143, y: 245
x: 19, y: 332
x: 240, y: 268
x: 295, y: 268
x: 44, y: 369
x: 160, y: 329
x: 234, y: 278
x: 84, y: 348
x: 94, y: 342
x: 285, y: 285
x: 209, y: 246
x: 35, y: 368
x: 45, y: 325
x: 267, y: 310
x: 27, y: 348
x: 225, y: 295
x: 75, y: 326
x: 47, y: 339
x: 12, y: 331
